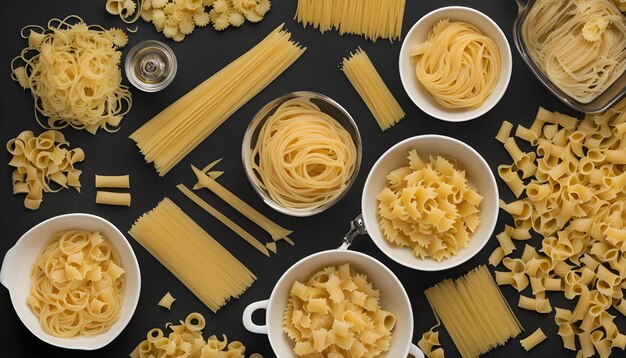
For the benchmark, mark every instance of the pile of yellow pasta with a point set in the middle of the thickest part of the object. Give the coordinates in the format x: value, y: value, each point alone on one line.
x: 429, y: 207
x: 41, y: 161
x: 337, y: 313
x: 73, y: 72
x: 77, y: 284
x: 186, y: 340
x: 575, y: 182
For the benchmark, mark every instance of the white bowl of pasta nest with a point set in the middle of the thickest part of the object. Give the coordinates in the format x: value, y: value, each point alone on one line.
x: 475, y: 100
x: 478, y: 177
x: 18, y: 263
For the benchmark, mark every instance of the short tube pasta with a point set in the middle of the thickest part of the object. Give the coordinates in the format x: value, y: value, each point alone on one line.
x: 533, y: 340
x: 116, y: 181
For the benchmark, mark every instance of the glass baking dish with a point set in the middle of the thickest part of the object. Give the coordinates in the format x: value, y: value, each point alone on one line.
x: 600, y: 104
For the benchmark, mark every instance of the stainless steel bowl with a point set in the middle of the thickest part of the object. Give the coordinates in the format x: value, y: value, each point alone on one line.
x: 326, y: 105
x: 600, y: 104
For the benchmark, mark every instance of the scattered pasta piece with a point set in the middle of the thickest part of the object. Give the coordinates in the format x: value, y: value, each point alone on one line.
x: 112, y: 198
x: 458, y: 302
x: 429, y: 207
x: 574, y: 198
x: 286, y: 172
x: 186, y: 340
x: 125, y: 9
x: 458, y: 65
x: 336, y: 310
x: 43, y: 164
x: 533, y: 340
x: 113, y: 181
x: 86, y: 91
x: 367, y: 81
x: 167, y: 301
x: 87, y: 270
x: 172, y: 134
x: 372, y: 19
x: 192, y: 255
x: 429, y: 344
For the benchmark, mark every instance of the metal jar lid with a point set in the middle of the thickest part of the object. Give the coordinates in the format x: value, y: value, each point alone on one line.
x: 151, y: 65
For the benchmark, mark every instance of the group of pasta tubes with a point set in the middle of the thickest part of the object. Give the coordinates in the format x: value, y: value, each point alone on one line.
x: 113, y: 182
x: 574, y: 182
x: 86, y: 90
x: 43, y: 164
x: 186, y: 340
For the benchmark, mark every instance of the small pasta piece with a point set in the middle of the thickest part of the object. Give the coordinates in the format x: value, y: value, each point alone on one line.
x: 167, y: 301
x: 112, y: 198
x: 533, y: 340
x: 119, y: 181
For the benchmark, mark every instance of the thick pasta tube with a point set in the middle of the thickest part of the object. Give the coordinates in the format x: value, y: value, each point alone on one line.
x: 533, y: 340
x: 118, y: 181
x: 112, y: 198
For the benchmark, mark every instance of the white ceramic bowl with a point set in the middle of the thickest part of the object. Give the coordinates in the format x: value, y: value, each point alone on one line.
x: 419, y: 33
x: 478, y: 173
x: 18, y: 261
x: 393, y: 299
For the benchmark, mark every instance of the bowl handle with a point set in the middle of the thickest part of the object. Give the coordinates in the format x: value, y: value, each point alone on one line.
x: 9, y: 258
x: 415, y: 351
x: 247, y: 317
x: 357, y: 227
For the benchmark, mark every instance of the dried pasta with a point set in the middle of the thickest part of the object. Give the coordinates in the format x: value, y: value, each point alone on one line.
x: 73, y: 72
x: 192, y: 255
x: 372, y: 19
x: 303, y: 158
x: 167, y: 301
x: 458, y: 65
x: 429, y: 207
x: 533, y: 340
x: 579, y: 45
x: 186, y: 340
x: 125, y: 9
x: 43, y: 164
x: 429, y: 344
x: 367, y: 81
x: 177, y: 130
x: 77, y: 284
x: 574, y: 199
x: 112, y: 198
x: 337, y: 312
x: 474, y: 312
x: 113, y: 181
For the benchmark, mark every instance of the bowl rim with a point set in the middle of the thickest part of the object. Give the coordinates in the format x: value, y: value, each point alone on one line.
x: 446, y: 264
x: 247, y: 139
x: 497, y: 95
x: 345, y: 252
x: 124, y: 320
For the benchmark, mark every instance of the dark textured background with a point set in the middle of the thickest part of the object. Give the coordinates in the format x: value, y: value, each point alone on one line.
x: 201, y: 55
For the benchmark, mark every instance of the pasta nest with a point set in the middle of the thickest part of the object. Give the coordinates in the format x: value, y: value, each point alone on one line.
x: 73, y: 72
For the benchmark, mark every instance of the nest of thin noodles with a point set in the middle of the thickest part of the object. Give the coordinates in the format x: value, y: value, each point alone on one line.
x: 73, y: 72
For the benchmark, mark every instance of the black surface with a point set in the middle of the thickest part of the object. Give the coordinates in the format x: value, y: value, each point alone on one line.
x: 199, y: 56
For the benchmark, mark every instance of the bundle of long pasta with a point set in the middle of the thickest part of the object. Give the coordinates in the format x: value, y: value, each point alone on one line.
x: 177, y: 130
x: 474, y: 312
x: 73, y: 72
x: 365, y: 78
x: 574, y: 183
x: 192, y: 255
x: 580, y: 45
x: 186, y: 340
x: 373, y: 19
x: 43, y: 162
x: 77, y: 284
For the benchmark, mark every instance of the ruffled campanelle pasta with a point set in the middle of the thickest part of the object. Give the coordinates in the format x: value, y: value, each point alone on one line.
x: 73, y: 72
x: 458, y: 65
x: 43, y: 164
x: 429, y: 207
x: 303, y: 158
x: 580, y: 45
x: 337, y: 313
x: 77, y: 284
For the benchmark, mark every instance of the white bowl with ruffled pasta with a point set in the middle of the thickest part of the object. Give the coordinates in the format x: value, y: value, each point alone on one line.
x: 478, y: 174
x: 19, y: 260
x: 393, y: 298
x: 419, y: 33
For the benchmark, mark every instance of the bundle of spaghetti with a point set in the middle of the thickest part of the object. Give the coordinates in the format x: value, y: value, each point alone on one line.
x: 373, y: 19
x: 178, y: 129
x: 363, y: 75
x: 579, y: 45
x: 474, y: 312
x: 73, y: 72
x: 191, y: 254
